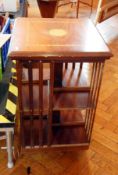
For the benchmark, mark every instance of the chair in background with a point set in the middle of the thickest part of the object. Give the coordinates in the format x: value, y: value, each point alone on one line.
x: 106, y: 10
x: 85, y: 2
x: 77, y: 2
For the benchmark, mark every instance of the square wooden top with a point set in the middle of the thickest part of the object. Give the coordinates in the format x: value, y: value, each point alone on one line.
x: 56, y: 38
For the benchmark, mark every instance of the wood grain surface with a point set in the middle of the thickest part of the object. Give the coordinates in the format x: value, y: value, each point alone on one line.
x: 32, y: 38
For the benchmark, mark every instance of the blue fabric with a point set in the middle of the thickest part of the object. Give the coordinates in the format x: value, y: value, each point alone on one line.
x: 6, y: 30
x: 21, y: 1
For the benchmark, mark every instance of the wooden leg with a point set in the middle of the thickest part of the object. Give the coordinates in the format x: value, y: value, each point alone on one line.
x: 77, y: 11
x: 47, y: 8
x: 9, y: 149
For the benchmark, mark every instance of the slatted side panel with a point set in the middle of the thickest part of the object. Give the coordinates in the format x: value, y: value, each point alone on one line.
x: 96, y: 79
x: 40, y: 103
x: 30, y: 96
x: 19, y: 67
x: 38, y: 127
x: 51, y: 86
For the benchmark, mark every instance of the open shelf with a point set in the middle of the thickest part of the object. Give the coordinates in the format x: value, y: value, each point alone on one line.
x: 54, y: 116
x: 69, y: 135
x: 34, y: 127
x: 75, y: 100
x: 68, y: 118
x: 76, y: 77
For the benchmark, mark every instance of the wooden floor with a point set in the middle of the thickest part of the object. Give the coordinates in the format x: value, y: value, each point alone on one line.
x: 102, y: 156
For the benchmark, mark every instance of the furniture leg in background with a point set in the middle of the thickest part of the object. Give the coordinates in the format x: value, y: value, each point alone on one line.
x: 9, y: 136
x: 9, y: 144
x: 47, y: 8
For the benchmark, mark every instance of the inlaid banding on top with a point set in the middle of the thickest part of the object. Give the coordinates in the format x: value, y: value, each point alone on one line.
x: 57, y: 32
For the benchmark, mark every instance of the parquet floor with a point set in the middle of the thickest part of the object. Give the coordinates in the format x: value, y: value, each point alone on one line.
x: 102, y: 156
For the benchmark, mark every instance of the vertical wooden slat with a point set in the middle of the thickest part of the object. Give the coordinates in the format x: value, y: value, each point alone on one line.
x: 19, y: 69
x: 93, y: 96
x: 40, y: 103
x: 50, y: 103
x: 66, y: 65
x: 77, y: 10
x: 81, y: 64
x: 91, y: 7
x: 90, y: 94
x: 99, y: 80
x: 31, y: 105
x: 73, y: 65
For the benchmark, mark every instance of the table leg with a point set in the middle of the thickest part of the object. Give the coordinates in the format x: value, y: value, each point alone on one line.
x: 9, y: 149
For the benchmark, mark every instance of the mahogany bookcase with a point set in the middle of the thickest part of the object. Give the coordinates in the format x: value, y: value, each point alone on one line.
x: 57, y: 105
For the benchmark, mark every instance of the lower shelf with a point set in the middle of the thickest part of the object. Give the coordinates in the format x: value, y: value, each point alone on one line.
x: 62, y: 136
x: 68, y: 118
x: 69, y: 135
x: 31, y: 132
